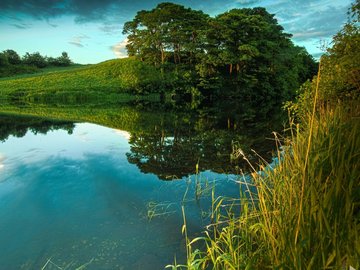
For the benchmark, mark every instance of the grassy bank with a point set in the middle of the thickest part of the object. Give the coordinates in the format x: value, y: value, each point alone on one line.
x: 305, y: 213
x: 107, y: 78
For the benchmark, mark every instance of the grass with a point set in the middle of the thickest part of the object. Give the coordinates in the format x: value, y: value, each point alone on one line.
x: 158, y: 209
x: 52, y: 265
x: 109, y: 77
x: 43, y: 71
x: 305, y: 213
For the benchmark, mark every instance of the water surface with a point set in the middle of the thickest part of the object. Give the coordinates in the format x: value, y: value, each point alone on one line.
x: 77, y: 192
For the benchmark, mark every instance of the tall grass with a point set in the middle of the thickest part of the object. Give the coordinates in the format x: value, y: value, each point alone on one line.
x: 305, y: 212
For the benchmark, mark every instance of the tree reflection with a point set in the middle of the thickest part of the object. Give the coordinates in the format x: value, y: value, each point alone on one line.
x: 18, y: 126
x: 172, y: 154
x: 166, y: 141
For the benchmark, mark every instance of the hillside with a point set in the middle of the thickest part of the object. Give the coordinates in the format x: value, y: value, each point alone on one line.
x: 114, y: 76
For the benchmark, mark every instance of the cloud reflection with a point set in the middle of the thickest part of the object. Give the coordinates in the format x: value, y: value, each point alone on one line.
x: 2, y: 158
x: 123, y: 133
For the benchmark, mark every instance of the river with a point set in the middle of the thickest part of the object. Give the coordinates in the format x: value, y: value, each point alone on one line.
x: 104, y: 188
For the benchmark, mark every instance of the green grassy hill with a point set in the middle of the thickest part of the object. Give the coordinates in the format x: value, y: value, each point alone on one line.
x: 110, y: 77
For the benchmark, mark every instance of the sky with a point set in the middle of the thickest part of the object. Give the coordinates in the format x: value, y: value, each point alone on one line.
x: 90, y: 31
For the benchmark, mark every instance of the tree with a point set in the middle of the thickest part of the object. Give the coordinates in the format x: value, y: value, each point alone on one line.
x: 64, y: 60
x: 168, y: 33
x: 51, y: 61
x: 344, y: 56
x: 242, y: 53
x: 3, y: 60
x: 13, y: 57
x: 34, y: 59
x: 61, y: 61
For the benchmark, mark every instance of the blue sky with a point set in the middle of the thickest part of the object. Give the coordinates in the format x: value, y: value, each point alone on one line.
x: 90, y: 30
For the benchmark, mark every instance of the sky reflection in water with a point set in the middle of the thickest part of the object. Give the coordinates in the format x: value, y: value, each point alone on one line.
x: 76, y: 198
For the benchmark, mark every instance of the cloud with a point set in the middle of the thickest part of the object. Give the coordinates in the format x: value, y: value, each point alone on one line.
x: 2, y: 158
x: 122, y: 133
x: 111, y: 29
x: 317, y: 55
x: 309, y: 34
x: 119, y: 49
x: 14, y: 18
x: 83, y: 10
x: 247, y: 2
x: 53, y: 25
x: 21, y: 25
x: 318, y: 24
x: 78, y: 40
x: 77, y: 44
x: 307, y: 20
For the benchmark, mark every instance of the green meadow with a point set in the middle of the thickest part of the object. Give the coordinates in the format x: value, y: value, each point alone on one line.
x: 109, y: 78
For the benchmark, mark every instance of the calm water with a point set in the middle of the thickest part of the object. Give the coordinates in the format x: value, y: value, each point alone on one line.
x: 80, y: 192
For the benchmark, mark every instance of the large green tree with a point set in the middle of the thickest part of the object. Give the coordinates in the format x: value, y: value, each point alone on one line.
x: 167, y: 33
x: 242, y: 53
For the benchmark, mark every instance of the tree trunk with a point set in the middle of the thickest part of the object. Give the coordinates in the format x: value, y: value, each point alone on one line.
x: 162, y: 54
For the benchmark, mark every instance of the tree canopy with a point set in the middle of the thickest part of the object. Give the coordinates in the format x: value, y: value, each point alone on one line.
x: 244, y: 51
x: 168, y: 33
x: 11, y: 63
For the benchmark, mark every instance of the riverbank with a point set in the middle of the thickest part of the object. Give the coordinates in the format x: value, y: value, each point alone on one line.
x: 306, y: 209
x: 305, y: 213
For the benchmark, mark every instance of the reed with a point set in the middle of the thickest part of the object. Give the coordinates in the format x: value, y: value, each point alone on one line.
x: 158, y: 209
x: 52, y: 265
x: 305, y: 211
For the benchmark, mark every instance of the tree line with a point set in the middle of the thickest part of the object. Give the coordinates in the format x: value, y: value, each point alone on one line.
x: 242, y: 53
x: 12, y: 63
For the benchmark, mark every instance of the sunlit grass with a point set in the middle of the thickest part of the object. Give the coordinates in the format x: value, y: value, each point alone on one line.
x: 43, y: 71
x: 305, y: 211
x: 109, y: 77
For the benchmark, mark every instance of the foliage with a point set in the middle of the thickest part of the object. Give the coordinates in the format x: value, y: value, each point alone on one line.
x: 305, y: 211
x: 34, y: 59
x: 15, y: 70
x: 242, y: 53
x: 12, y: 57
x: 12, y: 64
x: 168, y: 33
x: 62, y: 61
x: 340, y: 70
x: 3, y: 60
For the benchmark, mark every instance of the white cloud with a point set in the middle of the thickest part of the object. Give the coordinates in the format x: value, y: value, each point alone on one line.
x: 123, y: 134
x: 78, y: 40
x: 247, y: 2
x: 309, y: 35
x: 119, y: 49
x: 2, y: 158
